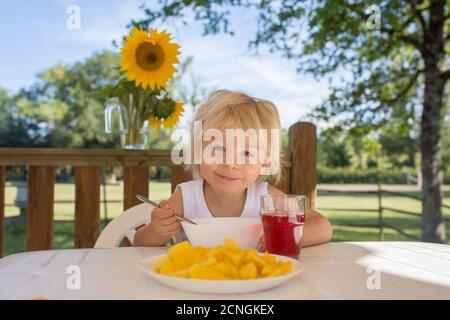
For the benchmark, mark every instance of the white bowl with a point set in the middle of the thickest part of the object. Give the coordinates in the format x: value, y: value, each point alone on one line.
x: 220, y: 286
x: 210, y: 232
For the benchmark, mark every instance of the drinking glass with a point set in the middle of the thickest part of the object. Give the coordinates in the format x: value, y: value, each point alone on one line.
x: 283, y: 217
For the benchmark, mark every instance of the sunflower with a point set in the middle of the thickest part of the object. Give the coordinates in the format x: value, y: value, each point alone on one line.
x: 167, y: 122
x: 148, y: 58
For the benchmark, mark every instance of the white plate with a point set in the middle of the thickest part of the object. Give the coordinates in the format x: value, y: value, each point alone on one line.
x: 220, y: 286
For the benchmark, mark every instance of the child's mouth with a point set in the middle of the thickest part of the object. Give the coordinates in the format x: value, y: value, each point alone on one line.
x: 226, y: 178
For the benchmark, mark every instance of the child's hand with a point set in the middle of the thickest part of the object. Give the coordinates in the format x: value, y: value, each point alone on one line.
x: 262, y: 244
x: 163, y: 220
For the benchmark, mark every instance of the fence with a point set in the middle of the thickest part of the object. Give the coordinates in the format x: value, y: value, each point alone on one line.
x: 381, y: 209
x: 41, y: 164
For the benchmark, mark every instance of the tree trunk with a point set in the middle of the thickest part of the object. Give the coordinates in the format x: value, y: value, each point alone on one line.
x: 433, y: 228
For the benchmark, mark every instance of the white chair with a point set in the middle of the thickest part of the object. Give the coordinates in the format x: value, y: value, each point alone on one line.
x: 124, y: 226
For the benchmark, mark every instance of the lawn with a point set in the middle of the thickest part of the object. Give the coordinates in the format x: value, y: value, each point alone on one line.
x: 340, y: 208
x: 350, y: 224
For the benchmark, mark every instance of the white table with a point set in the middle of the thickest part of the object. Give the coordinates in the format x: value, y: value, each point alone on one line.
x: 403, y: 270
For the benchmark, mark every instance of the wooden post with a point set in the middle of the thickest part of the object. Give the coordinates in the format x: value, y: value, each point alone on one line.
x: 41, y: 184
x: 105, y: 200
x: 380, y: 214
x: 178, y: 176
x: 87, y: 206
x: 136, y: 180
x: 302, y: 145
x: 2, y: 207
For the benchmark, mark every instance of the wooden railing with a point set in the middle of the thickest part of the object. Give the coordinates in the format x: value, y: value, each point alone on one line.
x: 41, y: 164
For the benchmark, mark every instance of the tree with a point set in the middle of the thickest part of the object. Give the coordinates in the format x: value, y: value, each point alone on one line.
x: 14, y: 130
x: 61, y: 110
x: 60, y: 104
x: 400, y: 145
x: 333, y: 149
x: 388, y: 70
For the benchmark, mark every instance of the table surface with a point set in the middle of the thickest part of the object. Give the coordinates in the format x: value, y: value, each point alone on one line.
x: 340, y: 270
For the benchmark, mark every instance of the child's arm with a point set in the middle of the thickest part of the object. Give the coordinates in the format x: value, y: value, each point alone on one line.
x: 317, y: 228
x: 163, y: 225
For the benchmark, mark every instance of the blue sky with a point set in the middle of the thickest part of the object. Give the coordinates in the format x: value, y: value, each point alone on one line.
x: 35, y: 37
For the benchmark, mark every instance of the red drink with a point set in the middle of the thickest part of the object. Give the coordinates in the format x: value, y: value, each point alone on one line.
x: 283, y: 232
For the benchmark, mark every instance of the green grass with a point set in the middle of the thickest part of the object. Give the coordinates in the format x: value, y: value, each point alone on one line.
x: 343, y: 219
x: 63, y: 228
x: 365, y: 224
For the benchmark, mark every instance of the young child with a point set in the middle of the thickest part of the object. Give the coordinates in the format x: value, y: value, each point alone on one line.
x: 229, y: 188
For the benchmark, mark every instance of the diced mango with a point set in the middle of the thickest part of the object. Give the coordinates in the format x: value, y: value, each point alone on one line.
x: 231, y: 243
x: 168, y: 266
x: 259, y: 262
x: 278, y: 269
x: 248, y: 271
x: 159, y: 264
x: 205, y: 272
x: 202, y: 251
x: 269, y: 259
x: 286, y: 266
x: 225, y: 262
x: 235, y: 256
x: 184, y: 273
x: 209, y: 262
x: 211, y: 253
x: 184, y: 255
x: 227, y: 269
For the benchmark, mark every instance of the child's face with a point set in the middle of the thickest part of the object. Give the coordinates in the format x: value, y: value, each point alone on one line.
x: 236, y: 173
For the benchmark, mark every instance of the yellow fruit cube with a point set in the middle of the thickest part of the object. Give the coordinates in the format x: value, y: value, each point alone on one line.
x: 248, y: 271
x: 209, y: 262
x: 205, y: 273
x: 202, y: 251
x: 159, y: 263
x: 184, y: 273
x: 259, y: 262
x: 211, y: 253
x: 285, y: 265
x: 225, y: 262
x: 269, y: 271
x: 227, y: 269
x: 167, y: 266
x: 235, y: 256
x: 269, y: 259
x: 278, y: 269
x: 249, y: 251
x: 231, y: 243
x: 184, y: 255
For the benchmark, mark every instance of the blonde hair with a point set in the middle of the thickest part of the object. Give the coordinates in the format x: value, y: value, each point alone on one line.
x: 224, y: 106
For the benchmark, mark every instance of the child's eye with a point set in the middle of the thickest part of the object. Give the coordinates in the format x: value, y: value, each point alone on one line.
x: 248, y: 154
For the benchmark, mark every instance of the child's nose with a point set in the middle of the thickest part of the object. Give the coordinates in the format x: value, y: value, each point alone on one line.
x: 230, y: 159
x: 233, y: 165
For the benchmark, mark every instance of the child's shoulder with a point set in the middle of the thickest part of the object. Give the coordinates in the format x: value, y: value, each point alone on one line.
x: 189, y: 184
x: 189, y: 187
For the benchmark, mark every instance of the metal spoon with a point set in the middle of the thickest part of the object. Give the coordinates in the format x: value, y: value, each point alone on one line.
x: 145, y: 199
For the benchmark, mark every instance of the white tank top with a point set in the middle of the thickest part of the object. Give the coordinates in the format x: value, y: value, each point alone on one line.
x: 194, y: 203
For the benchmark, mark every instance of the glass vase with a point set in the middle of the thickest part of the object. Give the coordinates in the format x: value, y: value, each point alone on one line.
x: 133, y: 123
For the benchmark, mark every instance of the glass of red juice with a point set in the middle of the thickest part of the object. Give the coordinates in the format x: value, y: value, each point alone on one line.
x: 283, y: 217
